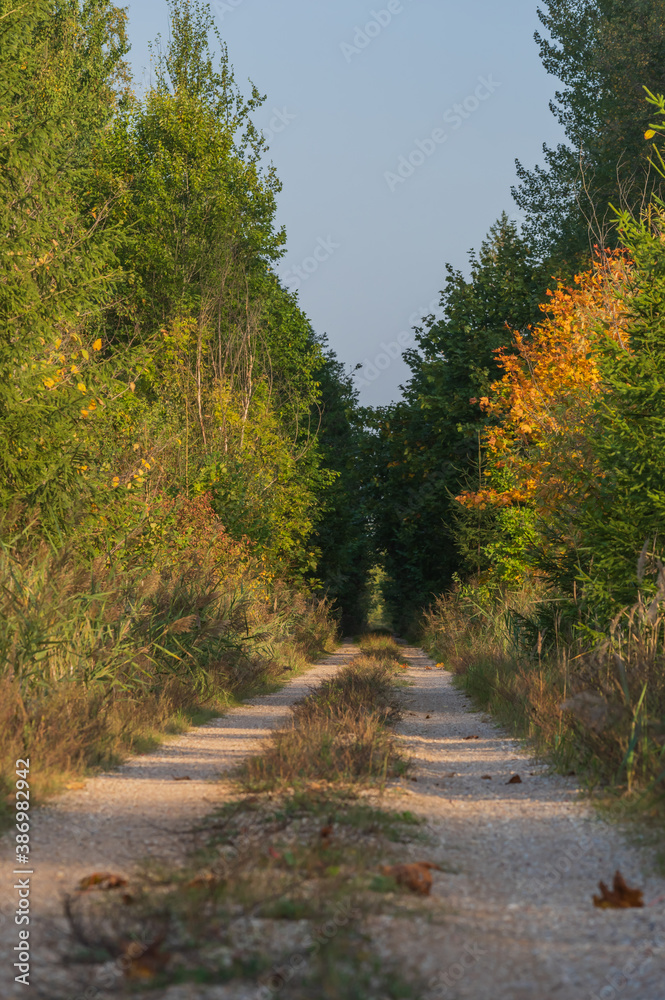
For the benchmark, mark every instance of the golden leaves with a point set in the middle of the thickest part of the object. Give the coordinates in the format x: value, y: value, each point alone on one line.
x: 416, y: 876
x: 102, y: 880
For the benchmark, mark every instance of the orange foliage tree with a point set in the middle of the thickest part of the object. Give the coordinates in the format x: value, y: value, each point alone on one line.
x: 539, y: 459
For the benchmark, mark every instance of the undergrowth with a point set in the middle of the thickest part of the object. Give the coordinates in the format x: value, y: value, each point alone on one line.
x: 341, y: 733
x: 595, y: 708
x: 278, y: 890
x: 103, y: 659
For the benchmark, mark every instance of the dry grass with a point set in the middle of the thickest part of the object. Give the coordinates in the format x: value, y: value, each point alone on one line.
x: 340, y: 734
x: 599, y: 711
x: 99, y: 661
x: 274, y: 872
x: 380, y: 645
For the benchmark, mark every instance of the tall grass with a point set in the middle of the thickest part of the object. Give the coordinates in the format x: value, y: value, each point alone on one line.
x: 597, y: 707
x: 98, y: 658
x: 339, y: 734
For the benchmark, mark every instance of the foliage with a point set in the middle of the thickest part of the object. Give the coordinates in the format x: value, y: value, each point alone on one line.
x: 604, y: 53
x: 161, y: 480
x: 343, y: 534
x: 426, y: 448
x: 540, y: 464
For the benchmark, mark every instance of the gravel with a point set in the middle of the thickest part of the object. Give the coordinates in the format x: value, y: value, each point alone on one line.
x: 510, y: 916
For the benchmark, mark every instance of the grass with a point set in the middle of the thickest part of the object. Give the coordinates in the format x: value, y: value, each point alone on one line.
x: 599, y: 712
x: 287, y: 875
x: 341, y: 734
x: 100, y: 661
x: 266, y: 887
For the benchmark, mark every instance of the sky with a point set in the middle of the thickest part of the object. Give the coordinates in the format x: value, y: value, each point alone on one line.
x: 394, y: 128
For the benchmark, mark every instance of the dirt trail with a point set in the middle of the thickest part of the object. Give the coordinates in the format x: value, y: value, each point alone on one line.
x: 520, y: 924
x: 510, y: 918
x: 135, y: 811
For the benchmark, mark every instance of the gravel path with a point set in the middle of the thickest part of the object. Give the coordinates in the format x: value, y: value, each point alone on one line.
x: 138, y: 810
x: 511, y: 917
x: 526, y: 860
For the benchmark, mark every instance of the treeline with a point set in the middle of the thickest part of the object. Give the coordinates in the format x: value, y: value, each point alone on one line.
x: 178, y: 443
x: 518, y: 485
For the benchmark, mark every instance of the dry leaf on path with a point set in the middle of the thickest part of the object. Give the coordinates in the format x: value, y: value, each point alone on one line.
x: 472, y: 737
x: 143, y: 963
x: 416, y: 876
x: 515, y: 780
x: 102, y: 880
x: 620, y: 897
x: 185, y: 777
x: 204, y: 880
x: 486, y: 777
x: 73, y: 786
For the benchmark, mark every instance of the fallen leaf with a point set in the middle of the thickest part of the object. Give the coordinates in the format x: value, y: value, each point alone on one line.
x: 486, y: 777
x: 325, y: 834
x: 472, y: 737
x: 185, y: 777
x: 428, y: 716
x: 144, y: 963
x: 620, y: 897
x: 204, y: 880
x: 515, y: 780
x: 102, y: 880
x: 429, y: 668
x: 414, y: 876
x: 73, y: 786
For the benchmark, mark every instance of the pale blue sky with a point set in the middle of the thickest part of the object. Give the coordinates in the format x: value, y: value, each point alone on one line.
x: 348, y: 110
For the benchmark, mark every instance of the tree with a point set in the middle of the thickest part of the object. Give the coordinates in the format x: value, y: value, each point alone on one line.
x: 427, y: 446
x: 604, y: 52
x: 343, y: 532
x: 62, y: 79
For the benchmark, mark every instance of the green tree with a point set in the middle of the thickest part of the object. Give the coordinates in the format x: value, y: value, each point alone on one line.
x: 427, y: 446
x: 62, y: 79
x: 343, y: 533
x: 604, y: 52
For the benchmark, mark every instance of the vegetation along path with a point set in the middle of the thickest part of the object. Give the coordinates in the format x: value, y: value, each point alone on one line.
x: 510, y: 915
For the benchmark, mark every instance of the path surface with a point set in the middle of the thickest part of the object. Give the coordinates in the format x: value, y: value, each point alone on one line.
x: 527, y: 858
x: 138, y: 810
x: 510, y: 919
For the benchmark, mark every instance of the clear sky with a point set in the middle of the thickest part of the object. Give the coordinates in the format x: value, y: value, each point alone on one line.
x: 384, y: 178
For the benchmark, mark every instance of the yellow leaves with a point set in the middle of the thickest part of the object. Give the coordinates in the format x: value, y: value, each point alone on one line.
x: 57, y: 343
x: 97, y: 346
x: 81, y: 387
x: 649, y: 134
x: 49, y: 383
x: 85, y: 354
x: 551, y: 379
x: 115, y: 481
x: 74, y: 369
x: 85, y: 413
